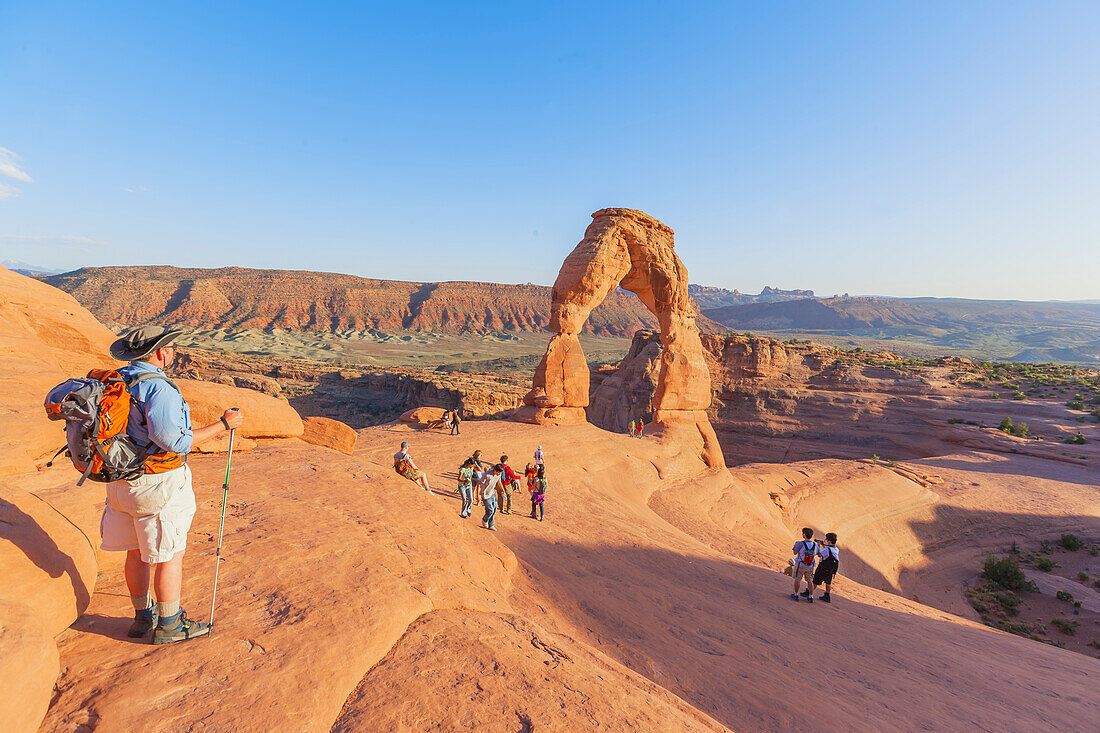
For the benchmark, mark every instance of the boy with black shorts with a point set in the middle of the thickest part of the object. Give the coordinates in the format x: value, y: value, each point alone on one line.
x: 830, y: 563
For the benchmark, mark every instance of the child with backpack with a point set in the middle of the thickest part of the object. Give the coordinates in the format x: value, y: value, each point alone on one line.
x: 508, y: 484
x: 538, y: 494
x: 805, y: 555
x: 466, y: 486
x: 827, y: 568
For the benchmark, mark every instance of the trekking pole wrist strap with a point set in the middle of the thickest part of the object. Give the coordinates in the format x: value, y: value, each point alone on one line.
x: 224, y: 422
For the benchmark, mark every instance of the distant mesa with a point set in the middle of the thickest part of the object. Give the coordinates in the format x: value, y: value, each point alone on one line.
x: 297, y: 301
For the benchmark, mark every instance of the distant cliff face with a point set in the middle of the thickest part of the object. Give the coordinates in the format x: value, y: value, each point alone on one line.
x: 239, y: 298
x: 775, y: 401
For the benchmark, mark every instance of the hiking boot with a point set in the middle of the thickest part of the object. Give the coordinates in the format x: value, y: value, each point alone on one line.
x: 794, y: 596
x: 826, y: 598
x: 810, y: 599
x: 805, y: 594
x: 178, y: 628
x: 144, y: 621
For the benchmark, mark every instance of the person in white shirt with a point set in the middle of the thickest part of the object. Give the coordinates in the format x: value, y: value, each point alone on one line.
x: 487, y: 489
x: 827, y: 568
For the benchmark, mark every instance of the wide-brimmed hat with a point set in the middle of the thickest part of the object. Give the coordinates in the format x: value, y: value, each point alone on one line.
x: 141, y: 342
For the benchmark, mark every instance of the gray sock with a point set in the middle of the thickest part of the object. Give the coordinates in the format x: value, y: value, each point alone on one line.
x: 168, y: 608
x: 142, y: 602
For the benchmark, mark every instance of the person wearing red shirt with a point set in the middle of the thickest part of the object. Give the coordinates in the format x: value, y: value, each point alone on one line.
x: 509, y: 483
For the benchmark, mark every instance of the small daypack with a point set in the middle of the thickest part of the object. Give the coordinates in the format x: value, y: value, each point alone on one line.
x: 806, y: 554
x: 829, y: 564
x: 96, y: 411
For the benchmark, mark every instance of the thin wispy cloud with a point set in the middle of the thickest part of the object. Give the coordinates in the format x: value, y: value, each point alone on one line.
x: 11, y: 167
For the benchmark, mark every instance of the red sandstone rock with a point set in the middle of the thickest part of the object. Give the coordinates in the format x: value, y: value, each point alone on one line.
x: 428, y: 417
x: 329, y: 434
x: 632, y: 249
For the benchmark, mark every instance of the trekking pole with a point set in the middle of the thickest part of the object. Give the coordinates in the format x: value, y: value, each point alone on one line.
x: 221, y: 527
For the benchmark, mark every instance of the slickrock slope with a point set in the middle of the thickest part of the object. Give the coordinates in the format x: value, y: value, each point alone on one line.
x: 290, y: 300
x: 774, y: 401
x: 647, y: 600
x: 640, y: 604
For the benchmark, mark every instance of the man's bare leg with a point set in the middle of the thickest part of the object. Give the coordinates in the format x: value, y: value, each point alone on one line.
x: 168, y: 583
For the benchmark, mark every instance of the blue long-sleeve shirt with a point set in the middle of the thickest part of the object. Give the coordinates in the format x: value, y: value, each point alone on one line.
x: 158, y: 413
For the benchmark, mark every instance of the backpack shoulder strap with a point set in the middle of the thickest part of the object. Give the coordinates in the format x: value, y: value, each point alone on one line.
x: 146, y: 376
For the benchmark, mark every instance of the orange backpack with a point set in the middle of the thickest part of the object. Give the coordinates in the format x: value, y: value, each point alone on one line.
x: 96, y: 411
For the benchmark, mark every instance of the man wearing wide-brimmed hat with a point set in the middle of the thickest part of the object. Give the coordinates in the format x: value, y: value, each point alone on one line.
x: 149, y: 517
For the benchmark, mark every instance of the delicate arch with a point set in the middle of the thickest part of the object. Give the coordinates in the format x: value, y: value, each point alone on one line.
x: 631, y: 249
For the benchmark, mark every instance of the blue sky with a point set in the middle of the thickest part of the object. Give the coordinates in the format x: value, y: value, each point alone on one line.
x: 939, y: 149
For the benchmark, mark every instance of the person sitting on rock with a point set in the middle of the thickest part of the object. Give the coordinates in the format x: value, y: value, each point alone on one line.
x: 827, y: 568
x: 403, y: 464
x: 507, y: 486
x: 805, y: 555
x: 466, y: 486
x: 148, y: 517
x: 446, y: 420
x: 538, y: 494
x: 487, y: 489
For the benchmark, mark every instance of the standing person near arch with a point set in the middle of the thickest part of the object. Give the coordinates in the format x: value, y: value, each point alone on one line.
x: 479, y: 472
x: 403, y: 464
x: 509, y: 484
x: 456, y: 418
x: 630, y: 428
x: 538, y: 494
x: 466, y: 486
x: 487, y: 489
x: 805, y: 555
x: 148, y: 517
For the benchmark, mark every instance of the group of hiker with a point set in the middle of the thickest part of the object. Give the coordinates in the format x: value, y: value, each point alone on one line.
x: 141, y: 451
x: 635, y: 428
x: 801, y: 566
x: 489, y: 485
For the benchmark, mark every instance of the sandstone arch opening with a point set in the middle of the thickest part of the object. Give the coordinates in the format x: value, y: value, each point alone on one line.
x: 632, y: 250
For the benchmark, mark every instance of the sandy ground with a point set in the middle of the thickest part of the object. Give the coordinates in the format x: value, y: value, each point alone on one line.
x: 649, y: 599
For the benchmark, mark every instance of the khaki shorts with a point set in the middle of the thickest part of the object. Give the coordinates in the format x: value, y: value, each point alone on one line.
x: 152, y: 514
x: 806, y: 571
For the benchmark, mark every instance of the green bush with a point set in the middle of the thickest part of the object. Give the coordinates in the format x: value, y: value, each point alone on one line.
x: 1075, y: 405
x: 1005, y: 573
x: 1064, y: 596
x: 955, y: 421
x: 1069, y: 628
x: 1083, y: 577
x: 994, y: 396
x: 1045, y: 564
x: 1071, y: 542
x: 1020, y: 430
x: 1019, y: 395
x: 1078, y: 439
x: 1006, y: 425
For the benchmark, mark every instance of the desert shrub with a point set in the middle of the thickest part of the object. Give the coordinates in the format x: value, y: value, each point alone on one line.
x: 1019, y: 628
x: 994, y: 396
x: 1075, y: 405
x: 1045, y: 564
x: 1071, y: 542
x: 1069, y: 628
x: 1019, y: 395
x: 1020, y: 430
x: 892, y: 464
x: 1083, y: 577
x: 1005, y: 573
x: 1078, y: 439
x: 1006, y: 425
x: 955, y: 421
x: 1064, y: 596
